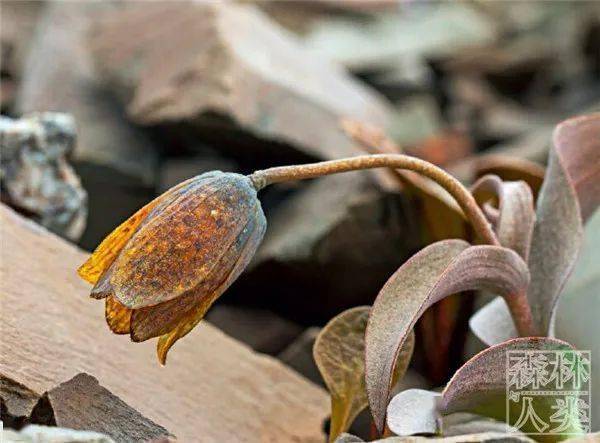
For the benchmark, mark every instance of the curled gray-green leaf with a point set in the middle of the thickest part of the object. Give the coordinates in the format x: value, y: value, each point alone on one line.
x: 441, y: 269
x: 571, y: 190
x: 516, y: 215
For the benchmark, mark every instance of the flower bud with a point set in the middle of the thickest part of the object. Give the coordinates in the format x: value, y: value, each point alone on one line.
x: 163, y: 268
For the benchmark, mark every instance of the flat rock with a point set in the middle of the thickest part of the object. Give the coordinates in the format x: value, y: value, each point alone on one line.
x: 82, y: 404
x: 261, y: 329
x: 234, y: 75
x: 214, y: 389
x: 415, y: 119
x: 533, y: 146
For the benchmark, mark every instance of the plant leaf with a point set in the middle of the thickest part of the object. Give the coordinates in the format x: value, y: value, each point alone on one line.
x: 557, y: 239
x: 463, y: 423
x: 479, y: 386
x: 339, y: 353
x: 493, y: 324
x: 516, y: 215
x: 511, y: 168
x: 579, y: 305
x: 592, y: 437
x: 413, y: 411
x: 441, y: 218
x: 573, y: 176
x: 482, y: 437
x: 441, y: 269
x: 577, y: 141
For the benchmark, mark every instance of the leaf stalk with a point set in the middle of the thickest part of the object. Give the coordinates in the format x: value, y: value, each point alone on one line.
x: 520, y: 311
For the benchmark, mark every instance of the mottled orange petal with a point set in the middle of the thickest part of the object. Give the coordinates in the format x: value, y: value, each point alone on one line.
x: 106, y: 253
x: 157, y: 320
x: 247, y: 244
x: 180, y: 247
x: 186, y: 325
x: 110, y: 247
x: 154, y: 321
x: 117, y: 316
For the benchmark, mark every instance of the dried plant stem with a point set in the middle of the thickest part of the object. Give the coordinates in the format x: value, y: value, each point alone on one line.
x: 396, y: 161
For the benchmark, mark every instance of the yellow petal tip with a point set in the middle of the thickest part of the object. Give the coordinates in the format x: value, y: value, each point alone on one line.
x: 88, y: 274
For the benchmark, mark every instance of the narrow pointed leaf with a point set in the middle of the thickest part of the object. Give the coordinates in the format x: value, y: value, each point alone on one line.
x: 515, y: 218
x: 413, y: 411
x: 339, y: 353
x: 441, y: 269
x: 570, y: 190
x: 479, y: 386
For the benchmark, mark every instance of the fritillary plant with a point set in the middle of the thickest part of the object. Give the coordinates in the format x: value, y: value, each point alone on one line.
x: 161, y: 270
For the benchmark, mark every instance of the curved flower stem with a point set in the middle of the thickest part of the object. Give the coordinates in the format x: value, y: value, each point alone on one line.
x: 396, y: 161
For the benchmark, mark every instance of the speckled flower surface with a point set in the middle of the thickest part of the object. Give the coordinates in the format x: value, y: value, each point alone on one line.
x: 162, y: 269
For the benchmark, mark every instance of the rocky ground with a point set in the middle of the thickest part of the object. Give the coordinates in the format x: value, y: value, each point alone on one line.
x: 105, y: 105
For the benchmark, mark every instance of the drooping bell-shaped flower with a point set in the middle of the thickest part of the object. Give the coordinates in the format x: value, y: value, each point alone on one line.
x: 162, y: 269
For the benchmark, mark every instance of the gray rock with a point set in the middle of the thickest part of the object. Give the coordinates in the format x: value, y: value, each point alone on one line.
x: 174, y: 170
x: 424, y: 30
x: 36, y: 176
x: 414, y: 120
